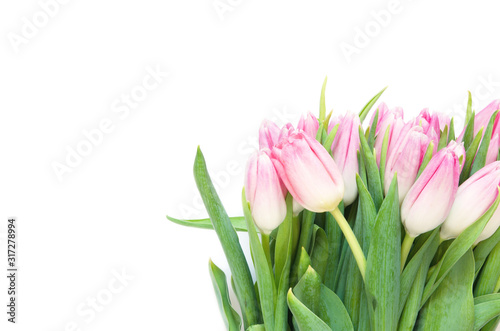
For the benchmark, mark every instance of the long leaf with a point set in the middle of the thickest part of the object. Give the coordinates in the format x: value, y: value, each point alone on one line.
x: 372, y: 171
x: 458, y: 248
x: 369, y: 105
x: 384, y: 264
x: 488, y: 278
x: 484, y: 312
x: 229, y: 241
x: 231, y: 317
x: 239, y: 223
x: 451, y: 306
x: 282, y: 267
x: 306, y: 319
x: 332, y: 311
x: 480, y: 159
x: 265, y: 279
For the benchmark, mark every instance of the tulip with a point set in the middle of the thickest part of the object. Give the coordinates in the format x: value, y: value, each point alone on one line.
x: 429, y: 200
x: 387, y: 118
x: 344, y: 151
x: 432, y: 125
x: 474, y: 197
x: 308, y: 171
x: 483, y: 117
x: 405, y: 159
x: 493, y: 147
x: 309, y: 124
x: 264, y: 192
x: 268, y: 134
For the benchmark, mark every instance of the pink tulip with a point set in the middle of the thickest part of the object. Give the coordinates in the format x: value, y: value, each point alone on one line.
x: 344, y: 151
x: 405, y: 160
x: 309, y: 124
x: 432, y: 125
x: 392, y: 118
x: 268, y: 134
x: 264, y: 192
x: 473, y: 199
x: 483, y: 117
x: 308, y: 171
x: 429, y: 200
x: 492, y: 154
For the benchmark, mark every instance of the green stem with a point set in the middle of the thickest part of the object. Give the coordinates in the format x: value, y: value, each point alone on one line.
x: 357, y: 252
x: 405, y: 249
x: 267, y: 250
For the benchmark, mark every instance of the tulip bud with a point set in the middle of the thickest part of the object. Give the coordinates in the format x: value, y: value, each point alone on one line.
x: 344, y: 151
x: 432, y: 125
x: 309, y: 124
x: 429, y: 200
x: 405, y: 160
x: 268, y: 134
x: 308, y: 171
x: 474, y: 197
x: 264, y: 192
x: 392, y: 118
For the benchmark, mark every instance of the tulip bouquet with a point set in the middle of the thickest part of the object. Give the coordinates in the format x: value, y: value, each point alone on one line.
x: 392, y: 227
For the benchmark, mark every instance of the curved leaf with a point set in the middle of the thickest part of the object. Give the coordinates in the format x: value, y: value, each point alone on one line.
x: 231, y: 317
x: 238, y: 223
x: 332, y: 311
x: 306, y: 319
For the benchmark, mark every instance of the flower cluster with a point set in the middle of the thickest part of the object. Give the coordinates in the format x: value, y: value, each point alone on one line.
x: 389, y: 226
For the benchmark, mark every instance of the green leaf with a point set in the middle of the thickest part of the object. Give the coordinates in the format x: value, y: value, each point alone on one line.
x: 427, y: 157
x: 488, y: 278
x: 372, y: 171
x: 334, y: 236
x: 229, y: 241
x: 282, y: 267
x: 319, y: 255
x: 332, y: 311
x: 372, y: 130
x: 443, y: 138
x: 458, y: 248
x: 303, y: 263
x: 480, y: 159
x: 485, y: 312
x: 308, y: 289
x: 469, y: 114
x: 239, y: 223
x: 322, y: 104
x: 369, y: 105
x: 383, y: 155
x: 257, y: 327
x: 265, y: 279
x: 306, y: 232
x: 451, y: 134
x: 451, y: 306
x: 231, y: 317
x: 470, y: 154
x: 484, y: 248
x: 412, y: 305
x: 384, y: 264
x: 306, y: 319
x: 429, y: 247
x: 363, y: 226
x: 469, y: 132
x: 330, y: 138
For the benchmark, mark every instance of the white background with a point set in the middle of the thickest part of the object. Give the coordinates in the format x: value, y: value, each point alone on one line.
x: 227, y: 71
